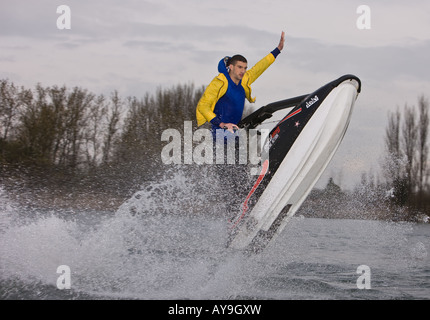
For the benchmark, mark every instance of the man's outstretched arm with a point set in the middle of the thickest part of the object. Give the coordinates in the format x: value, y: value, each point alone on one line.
x: 263, y: 64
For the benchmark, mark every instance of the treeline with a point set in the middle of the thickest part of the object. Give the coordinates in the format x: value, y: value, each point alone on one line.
x: 404, y: 180
x: 75, y: 136
x: 406, y: 160
x: 64, y: 139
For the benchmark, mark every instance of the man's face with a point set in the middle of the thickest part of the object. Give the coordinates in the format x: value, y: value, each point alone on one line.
x: 237, y: 71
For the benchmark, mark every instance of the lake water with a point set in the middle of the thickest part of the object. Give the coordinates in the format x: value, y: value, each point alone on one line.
x: 161, y: 255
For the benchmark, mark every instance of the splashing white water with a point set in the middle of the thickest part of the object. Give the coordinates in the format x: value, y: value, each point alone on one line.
x: 166, y: 242
x: 155, y: 245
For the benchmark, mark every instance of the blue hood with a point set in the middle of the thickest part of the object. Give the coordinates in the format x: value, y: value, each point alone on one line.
x: 222, y: 67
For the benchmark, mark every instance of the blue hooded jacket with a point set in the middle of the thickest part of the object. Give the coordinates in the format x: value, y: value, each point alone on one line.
x: 229, y: 108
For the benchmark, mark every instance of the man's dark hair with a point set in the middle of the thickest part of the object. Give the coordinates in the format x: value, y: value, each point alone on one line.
x: 235, y: 59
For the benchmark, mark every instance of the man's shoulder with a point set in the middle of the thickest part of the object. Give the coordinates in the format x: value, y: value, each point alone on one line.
x: 221, y: 77
x: 219, y: 81
x: 217, y: 85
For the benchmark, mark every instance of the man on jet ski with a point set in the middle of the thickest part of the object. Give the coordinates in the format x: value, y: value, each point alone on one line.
x: 222, y: 105
x: 223, y: 101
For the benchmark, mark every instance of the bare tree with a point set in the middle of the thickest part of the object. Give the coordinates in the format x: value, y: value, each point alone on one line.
x: 94, y: 132
x: 9, y: 107
x: 58, y: 98
x: 78, y: 102
x: 423, y: 125
x: 410, y: 136
x: 37, y: 128
x: 112, y: 125
x: 392, y: 164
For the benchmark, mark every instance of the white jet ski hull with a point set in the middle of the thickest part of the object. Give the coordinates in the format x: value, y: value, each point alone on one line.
x: 302, y: 166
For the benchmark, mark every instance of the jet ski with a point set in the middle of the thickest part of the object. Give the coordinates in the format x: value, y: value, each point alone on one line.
x: 299, y: 146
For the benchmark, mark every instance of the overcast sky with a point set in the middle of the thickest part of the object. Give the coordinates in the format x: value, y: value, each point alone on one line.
x: 137, y: 46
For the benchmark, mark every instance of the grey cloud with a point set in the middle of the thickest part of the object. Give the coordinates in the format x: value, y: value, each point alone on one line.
x: 155, y: 46
x: 378, y: 63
